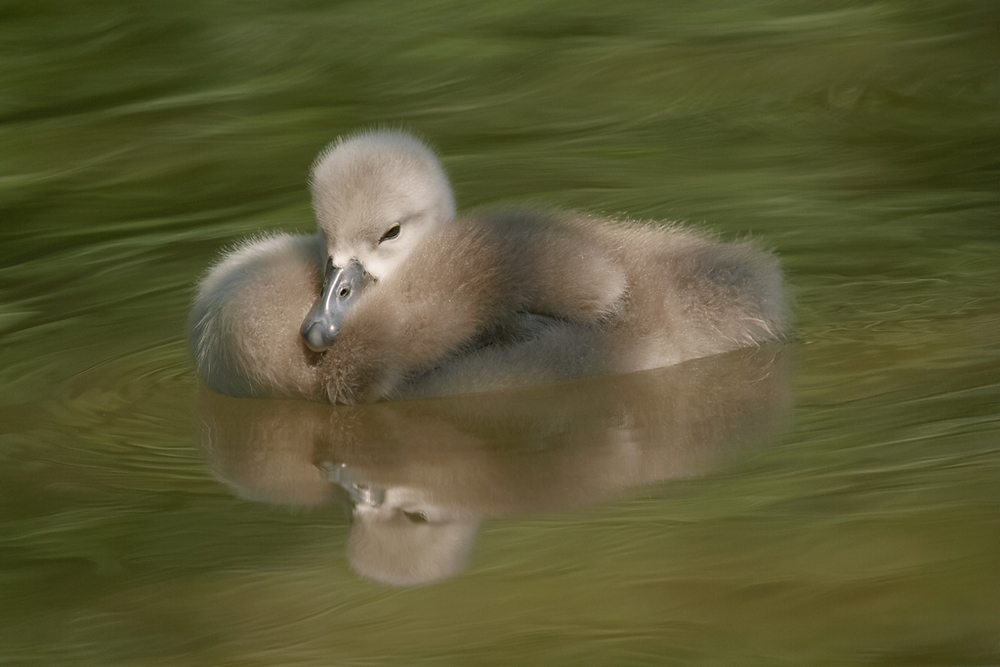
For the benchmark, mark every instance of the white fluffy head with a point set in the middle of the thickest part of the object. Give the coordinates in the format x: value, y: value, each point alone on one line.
x: 376, y: 195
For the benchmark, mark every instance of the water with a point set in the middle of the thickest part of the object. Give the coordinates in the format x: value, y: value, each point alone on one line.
x: 846, y: 514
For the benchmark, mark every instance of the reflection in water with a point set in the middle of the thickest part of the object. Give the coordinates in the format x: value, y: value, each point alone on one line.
x: 418, y: 476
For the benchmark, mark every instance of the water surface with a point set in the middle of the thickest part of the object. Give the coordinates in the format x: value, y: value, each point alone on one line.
x: 847, y: 515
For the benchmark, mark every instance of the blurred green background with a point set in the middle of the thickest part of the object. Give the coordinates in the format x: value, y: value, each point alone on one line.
x: 859, y: 139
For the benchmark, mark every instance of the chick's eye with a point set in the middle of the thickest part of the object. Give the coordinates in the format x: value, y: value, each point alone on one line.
x: 391, y: 234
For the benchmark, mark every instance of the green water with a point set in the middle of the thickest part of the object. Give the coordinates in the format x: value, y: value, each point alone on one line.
x: 836, y: 501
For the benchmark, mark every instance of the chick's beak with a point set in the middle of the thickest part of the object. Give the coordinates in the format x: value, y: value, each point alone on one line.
x: 341, y: 287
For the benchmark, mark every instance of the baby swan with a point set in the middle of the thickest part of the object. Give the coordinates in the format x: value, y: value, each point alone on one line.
x: 365, y: 191
x: 395, y: 296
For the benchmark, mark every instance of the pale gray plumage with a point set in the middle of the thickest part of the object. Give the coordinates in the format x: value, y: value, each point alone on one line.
x: 472, y: 303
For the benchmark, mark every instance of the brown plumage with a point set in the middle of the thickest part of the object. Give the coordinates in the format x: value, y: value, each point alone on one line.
x: 465, y: 304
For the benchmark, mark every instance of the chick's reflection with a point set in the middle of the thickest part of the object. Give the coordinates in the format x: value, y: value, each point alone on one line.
x: 418, y: 476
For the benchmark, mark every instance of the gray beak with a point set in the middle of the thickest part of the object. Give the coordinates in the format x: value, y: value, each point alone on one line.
x: 341, y: 286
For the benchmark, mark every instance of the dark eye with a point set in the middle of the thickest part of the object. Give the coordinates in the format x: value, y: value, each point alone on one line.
x: 391, y: 234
